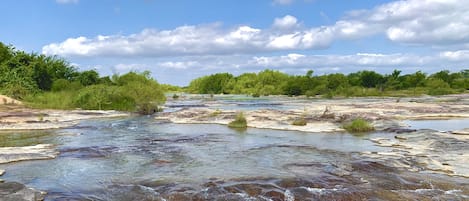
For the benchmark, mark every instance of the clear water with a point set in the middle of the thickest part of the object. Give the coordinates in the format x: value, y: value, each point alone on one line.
x: 439, y: 125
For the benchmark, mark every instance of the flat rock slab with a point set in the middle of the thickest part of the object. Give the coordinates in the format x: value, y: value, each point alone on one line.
x: 32, y: 119
x: 13, y: 191
x: 36, y: 152
x: 461, y: 132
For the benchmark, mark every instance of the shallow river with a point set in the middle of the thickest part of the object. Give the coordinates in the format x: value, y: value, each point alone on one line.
x: 139, y: 158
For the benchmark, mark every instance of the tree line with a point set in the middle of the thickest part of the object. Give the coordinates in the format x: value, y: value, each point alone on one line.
x: 361, y: 83
x: 51, y: 82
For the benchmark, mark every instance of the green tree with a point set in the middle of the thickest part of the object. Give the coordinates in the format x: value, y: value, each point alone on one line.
x: 89, y: 77
x: 370, y: 79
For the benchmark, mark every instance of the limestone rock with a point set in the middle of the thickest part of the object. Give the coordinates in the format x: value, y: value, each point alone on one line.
x: 36, y: 152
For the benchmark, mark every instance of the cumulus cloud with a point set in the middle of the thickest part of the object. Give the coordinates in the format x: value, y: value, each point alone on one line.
x: 422, y: 21
x: 193, y: 40
x: 66, y: 1
x: 432, y: 23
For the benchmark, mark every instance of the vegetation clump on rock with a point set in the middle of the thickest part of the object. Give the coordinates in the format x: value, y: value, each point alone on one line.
x: 358, y: 125
x: 239, y: 122
x: 301, y: 121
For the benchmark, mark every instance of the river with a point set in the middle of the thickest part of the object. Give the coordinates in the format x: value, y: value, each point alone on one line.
x: 140, y: 158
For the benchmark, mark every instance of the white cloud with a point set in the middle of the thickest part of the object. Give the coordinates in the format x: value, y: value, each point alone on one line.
x: 286, y: 22
x: 66, y: 1
x: 192, y: 40
x: 460, y: 55
x: 423, y: 21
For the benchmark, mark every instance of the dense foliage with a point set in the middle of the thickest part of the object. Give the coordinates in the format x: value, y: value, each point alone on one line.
x: 50, y: 82
x: 362, y: 83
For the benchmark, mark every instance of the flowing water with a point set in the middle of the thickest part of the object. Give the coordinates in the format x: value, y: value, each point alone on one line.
x: 139, y: 158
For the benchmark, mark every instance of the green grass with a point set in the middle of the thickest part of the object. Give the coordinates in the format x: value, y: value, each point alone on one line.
x: 358, y: 126
x: 239, y: 122
x: 51, y: 100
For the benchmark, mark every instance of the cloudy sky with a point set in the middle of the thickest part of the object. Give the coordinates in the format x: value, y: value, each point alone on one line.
x: 179, y: 40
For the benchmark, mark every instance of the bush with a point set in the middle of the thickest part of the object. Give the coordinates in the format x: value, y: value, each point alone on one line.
x: 102, y: 97
x: 239, y: 122
x: 358, y: 125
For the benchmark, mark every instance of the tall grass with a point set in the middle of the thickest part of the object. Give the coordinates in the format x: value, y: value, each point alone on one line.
x: 51, y: 100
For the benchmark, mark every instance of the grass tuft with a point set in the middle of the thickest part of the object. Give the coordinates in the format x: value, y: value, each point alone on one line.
x: 239, y: 122
x: 358, y: 126
x: 299, y: 122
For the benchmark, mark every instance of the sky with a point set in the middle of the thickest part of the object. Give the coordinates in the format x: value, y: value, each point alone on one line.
x: 180, y: 40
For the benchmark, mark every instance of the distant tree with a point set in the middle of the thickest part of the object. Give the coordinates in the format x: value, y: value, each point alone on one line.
x: 442, y: 75
x: 371, y: 79
x: 416, y: 79
x: 336, y: 80
x: 88, y: 77
x: 393, y: 81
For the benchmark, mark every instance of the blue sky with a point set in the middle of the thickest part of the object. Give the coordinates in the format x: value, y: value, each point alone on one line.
x: 180, y: 40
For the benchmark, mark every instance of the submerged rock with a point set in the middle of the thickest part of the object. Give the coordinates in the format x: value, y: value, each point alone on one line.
x: 13, y: 191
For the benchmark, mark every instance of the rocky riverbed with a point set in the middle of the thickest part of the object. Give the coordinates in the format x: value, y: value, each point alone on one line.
x: 323, y: 115
x: 189, y: 153
x: 14, y: 116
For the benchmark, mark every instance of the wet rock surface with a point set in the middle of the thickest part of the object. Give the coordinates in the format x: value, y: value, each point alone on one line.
x: 13, y: 191
x: 426, y: 150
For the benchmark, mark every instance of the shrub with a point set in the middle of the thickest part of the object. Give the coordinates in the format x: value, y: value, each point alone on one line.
x: 102, y: 97
x: 239, y: 122
x: 358, y: 125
